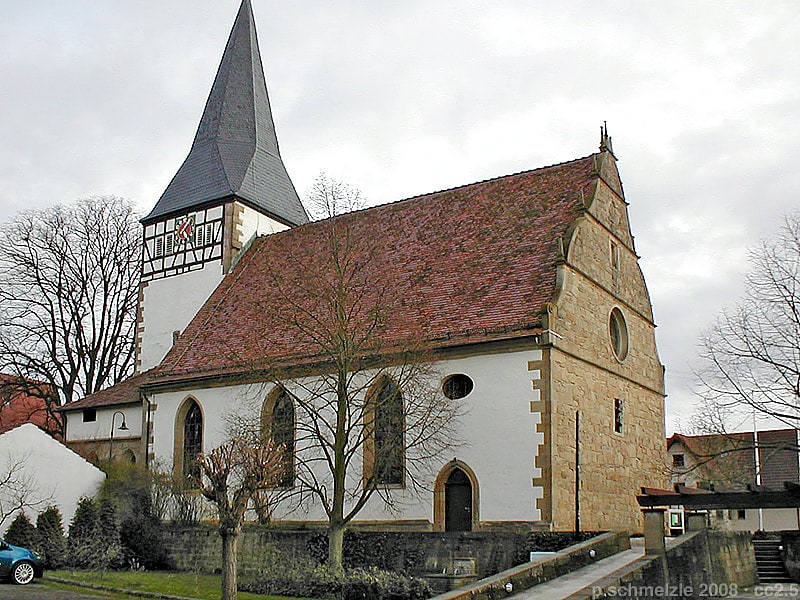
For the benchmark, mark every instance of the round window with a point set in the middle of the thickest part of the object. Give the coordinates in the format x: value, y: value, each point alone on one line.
x: 457, y: 386
x: 618, y: 331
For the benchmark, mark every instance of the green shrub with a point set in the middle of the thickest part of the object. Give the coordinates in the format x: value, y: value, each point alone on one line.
x: 21, y: 532
x: 94, y: 536
x: 51, y: 542
x: 324, y: 582
x: 131, y: 489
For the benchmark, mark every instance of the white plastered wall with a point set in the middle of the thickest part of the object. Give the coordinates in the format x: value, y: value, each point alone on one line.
x: 100, y: 428
x: 169, y: 305
x: 55, y: 474
x: 255, y: 223
x: 498, y: 431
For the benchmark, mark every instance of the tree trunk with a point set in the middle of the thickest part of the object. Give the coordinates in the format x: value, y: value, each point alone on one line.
x: 335, y: 546
x: 229, y: 549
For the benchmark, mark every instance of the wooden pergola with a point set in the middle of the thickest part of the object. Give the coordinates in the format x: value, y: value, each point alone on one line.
x: 710, y: 499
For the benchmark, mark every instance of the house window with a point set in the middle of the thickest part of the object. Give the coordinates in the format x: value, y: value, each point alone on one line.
x: 618, y: 415
x: 387, y: 405
x: 741, y: 514
x: 89, y: 415
x: 618, y: 332
x: 678, y: 460
x: 283, y: 436
x: 457, y: 386
x: 192, y: 443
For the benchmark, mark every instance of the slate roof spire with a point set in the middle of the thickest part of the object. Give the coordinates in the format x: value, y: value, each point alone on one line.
x: 235, y: 150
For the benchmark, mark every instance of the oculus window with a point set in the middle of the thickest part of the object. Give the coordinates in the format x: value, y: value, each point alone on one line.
x: 618, y: 333
x: 457, y: 386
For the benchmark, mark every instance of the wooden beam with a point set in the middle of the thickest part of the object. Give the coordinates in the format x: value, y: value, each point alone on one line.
x: 721, y: 500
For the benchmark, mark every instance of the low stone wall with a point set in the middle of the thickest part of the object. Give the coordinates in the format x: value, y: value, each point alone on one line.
x: 198, y: 548
x: 524, y: 576
x: 698, y: 564
x: 790, y: 540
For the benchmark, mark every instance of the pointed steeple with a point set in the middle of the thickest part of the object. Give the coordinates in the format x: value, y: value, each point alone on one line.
x: 235, y: 150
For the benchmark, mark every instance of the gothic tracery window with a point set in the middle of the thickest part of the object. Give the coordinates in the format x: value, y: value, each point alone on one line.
x: 192, y: 442
x: 283, y: 435
x: 388, y: 434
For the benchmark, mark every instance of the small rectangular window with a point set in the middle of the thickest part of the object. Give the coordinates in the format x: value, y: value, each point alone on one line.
x: 741, y: 514
x: 614, y: 263
x: 89, y: 415
x: 169, y: 243
x: 618, y: 416
x: 678, y: 460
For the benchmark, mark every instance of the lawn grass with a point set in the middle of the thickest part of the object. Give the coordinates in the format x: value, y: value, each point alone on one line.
x: 86, y: 591
x: 190, y: 585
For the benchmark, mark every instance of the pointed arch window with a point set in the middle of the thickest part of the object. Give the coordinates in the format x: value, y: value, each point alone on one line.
x: 192, y: 442
x: 282, y: 431
x: 388, y: 434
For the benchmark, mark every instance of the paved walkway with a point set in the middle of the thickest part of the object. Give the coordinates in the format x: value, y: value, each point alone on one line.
x: 577, y: 580
x: 39, y: 591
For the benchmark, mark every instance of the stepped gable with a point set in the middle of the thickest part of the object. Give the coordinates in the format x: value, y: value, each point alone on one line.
x: 471, y: 264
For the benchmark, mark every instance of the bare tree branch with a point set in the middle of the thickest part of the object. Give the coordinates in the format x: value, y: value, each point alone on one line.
x: 751, y: 355
x: 68, y: 295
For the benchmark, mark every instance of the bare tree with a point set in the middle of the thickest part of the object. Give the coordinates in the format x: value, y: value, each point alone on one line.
x: 68, y: 295
x: 329, y: 197
x: 751, y: 355
x: 231, y: 475
x: 365, y: 413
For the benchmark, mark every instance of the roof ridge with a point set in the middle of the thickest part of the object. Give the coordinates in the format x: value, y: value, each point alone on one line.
x: 498, y: 177
x: 431, y: 194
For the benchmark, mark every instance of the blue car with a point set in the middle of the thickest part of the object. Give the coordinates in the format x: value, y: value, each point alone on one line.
x: 19, y: 564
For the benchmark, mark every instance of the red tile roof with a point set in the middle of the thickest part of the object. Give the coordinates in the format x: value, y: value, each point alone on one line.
x: 466, y: 265
x: 125, y: 392
x: 23, y: 401
x: 470, y: 264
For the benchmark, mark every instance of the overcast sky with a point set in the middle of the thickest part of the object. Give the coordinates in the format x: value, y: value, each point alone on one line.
x: 702, y: 100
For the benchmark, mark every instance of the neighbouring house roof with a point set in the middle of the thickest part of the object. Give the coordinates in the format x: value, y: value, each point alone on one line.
x: 472, y: 264
x: 235, y: 150
x: 729, y: 459
x: 25, y: 401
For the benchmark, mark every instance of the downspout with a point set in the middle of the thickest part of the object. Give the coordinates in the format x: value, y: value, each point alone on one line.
x: 577, y: 471
x: 146, y: 428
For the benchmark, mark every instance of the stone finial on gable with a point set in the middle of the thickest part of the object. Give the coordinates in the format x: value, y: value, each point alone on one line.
x: 605, y: 139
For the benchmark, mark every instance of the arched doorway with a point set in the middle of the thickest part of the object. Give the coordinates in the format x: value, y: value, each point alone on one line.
x: 458, y: 502
x: 455, y: 498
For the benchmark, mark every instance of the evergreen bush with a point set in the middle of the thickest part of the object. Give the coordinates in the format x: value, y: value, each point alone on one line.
x: 140, y: 534
x: 21, y: 532
x: 94, y: 536
x: 51, y: 542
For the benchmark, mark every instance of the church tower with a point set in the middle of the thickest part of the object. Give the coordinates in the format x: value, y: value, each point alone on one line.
x: 233, y: 185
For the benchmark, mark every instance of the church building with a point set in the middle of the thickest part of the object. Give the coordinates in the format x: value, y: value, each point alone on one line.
x: 523, y: 292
